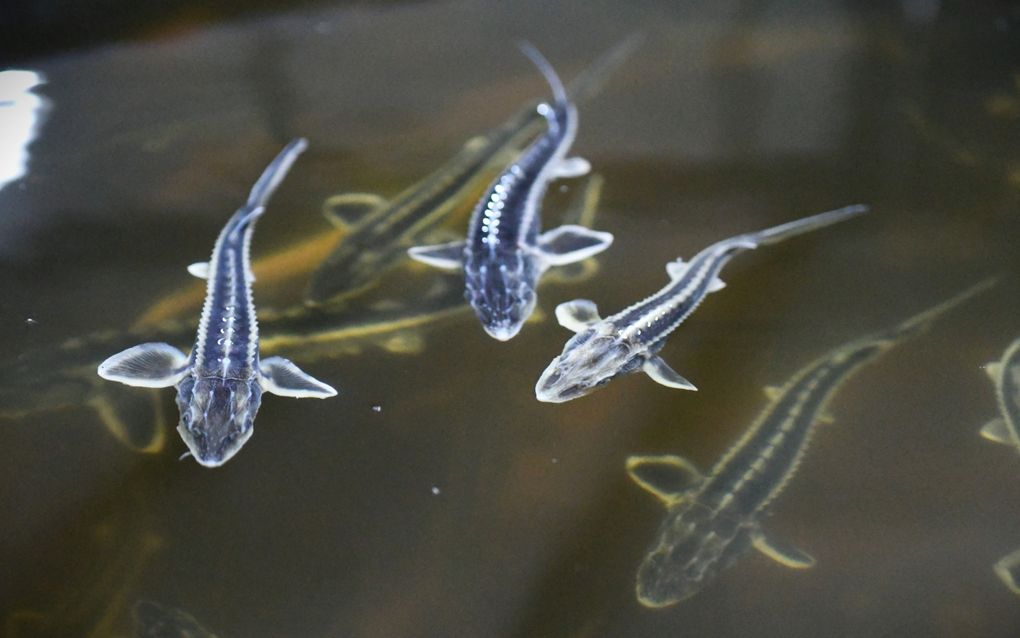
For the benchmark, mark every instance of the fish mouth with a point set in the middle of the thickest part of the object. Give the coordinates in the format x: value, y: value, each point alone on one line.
x: 209, y: 461
x: 215, y: 456
x: 502, y: 331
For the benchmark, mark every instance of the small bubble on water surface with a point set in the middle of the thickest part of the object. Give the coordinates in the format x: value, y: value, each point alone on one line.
x: 29, y: 321
x: 377, y: 408
x: 435, y: 490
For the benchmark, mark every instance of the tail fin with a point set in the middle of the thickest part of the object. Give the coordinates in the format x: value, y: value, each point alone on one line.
x: 590, y: 81
x: 559, y: 92
x: 265, y: 186
x: 922, y: 319
x: 796, y: 227
x: 275, y: 172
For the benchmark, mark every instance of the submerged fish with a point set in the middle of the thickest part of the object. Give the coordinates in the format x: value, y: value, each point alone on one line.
x: 504, y: 255
x: 1005, y: 375
x: 381, y: 231
x: 629, y: 341
x: 220, y: 384
x: 156, y: 621
x: 64, y: 375
x: 713, y: 520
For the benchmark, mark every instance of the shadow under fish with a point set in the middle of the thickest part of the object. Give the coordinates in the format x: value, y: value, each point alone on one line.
x: 1005, y: 429
x: 713, y: 520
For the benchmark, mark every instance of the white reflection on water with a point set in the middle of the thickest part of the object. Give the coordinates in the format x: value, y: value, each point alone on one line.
x: 21, y: 116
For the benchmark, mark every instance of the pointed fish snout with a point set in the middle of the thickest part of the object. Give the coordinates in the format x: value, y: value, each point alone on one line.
x: 547, y: 389
x: 503, y: 331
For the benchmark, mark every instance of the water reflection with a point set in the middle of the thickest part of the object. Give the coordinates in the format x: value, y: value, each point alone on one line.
x: 22, y: 115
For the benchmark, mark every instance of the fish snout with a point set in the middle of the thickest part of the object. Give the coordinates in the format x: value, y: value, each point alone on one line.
x: 551, y: 386
x: 503, y: 330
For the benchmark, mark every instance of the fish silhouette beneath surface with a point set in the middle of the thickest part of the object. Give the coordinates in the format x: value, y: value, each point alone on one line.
x: 630, y: 340
x: 713, y: 520
x: 1005, y: 375
x: 220, y: 384
x: 504, y: 254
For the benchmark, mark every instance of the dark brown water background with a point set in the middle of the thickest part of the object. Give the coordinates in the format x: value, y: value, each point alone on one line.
x: 465, y: 507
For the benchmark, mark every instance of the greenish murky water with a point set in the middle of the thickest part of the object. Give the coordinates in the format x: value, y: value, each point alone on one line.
x: 435, y: 496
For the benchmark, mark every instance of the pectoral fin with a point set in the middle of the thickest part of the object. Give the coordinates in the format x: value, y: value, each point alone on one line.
x: 997, y: 430
x: 1008, y: 571
x: 572, y: 167
x: 199, y: 269
x: 660, y: 372
x: 280, y: 376
x: 350, y: 209
x: 446, y: 256
x: 570, y: 243
x: 578, y: 314
x: 668, y: 476
x: 781, y: 553
x: 150, y: 365
x: 993, y: 370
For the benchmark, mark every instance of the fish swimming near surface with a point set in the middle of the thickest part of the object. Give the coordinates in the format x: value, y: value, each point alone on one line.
x: 1005, y: 375
x: 630, y: 340
x: 63, y: 375
x: 713, y: 520
x: 153, y: 620
x: 220, y: 384
x: 505, y: 254
x: 380, y: 231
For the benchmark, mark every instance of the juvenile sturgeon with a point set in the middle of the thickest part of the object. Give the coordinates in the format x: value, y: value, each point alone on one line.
x: 381, y: 230
x: 220, y: 384
x: 629, y: 341
x: 504, y: 255
x: 1005, y: 375
x: 713, y: 520
x: 63, y: 374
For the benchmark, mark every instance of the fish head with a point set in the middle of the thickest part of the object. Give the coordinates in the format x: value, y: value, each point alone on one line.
x: 217, y: 416
x: 694, y: 545
x: 592, y: 358
x: 502, y: 292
